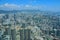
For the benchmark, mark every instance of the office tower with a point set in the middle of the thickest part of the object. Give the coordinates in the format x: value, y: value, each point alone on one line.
x: 7, y: 31
x: 7, y: 34
x: 13, y: 34
x: 58, y: 33
x: 21, y: 34
x: 0, y: 34
x: 0, y: 38
x: 25, y: 34
x: 6, y: 37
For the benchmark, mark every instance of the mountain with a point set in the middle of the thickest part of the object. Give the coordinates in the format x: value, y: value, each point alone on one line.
x: 31, y: 12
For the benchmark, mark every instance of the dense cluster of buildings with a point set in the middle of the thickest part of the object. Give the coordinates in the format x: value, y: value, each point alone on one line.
x: 24, y: 26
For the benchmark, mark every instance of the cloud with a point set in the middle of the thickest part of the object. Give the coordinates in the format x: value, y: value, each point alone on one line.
x: 11, y: 5
x: 7, y: 6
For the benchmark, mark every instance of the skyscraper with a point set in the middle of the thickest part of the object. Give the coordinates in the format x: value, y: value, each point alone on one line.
x: 13, y: 34
x: 25, y: 34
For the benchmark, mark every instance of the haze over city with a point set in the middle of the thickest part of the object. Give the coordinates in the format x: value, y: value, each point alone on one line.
x: 44, y: 5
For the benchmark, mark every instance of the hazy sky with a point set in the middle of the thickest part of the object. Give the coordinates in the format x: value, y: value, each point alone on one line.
x: 49, y: 5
